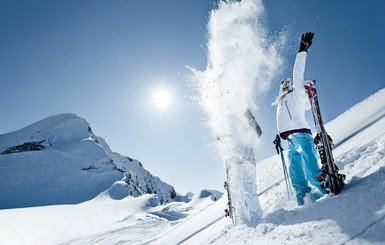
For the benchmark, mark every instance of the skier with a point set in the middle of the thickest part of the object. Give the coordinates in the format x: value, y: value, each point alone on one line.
x: 292, y: 103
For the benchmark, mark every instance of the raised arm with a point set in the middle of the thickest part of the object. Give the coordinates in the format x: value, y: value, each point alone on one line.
x: 300, y: 62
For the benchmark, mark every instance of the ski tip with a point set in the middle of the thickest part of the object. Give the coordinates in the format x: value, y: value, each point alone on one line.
x: 310, y: 83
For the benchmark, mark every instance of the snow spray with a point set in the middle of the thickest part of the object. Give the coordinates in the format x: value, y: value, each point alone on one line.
x: 242, y: 62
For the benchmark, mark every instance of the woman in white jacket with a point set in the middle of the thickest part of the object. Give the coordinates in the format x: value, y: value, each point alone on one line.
x: 292, y: 103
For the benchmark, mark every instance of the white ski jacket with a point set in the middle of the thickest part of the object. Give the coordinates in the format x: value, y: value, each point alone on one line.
x: 291, y: 108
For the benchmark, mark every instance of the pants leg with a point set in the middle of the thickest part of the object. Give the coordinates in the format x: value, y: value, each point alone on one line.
x: 297, y: 175
x: 309, y: 156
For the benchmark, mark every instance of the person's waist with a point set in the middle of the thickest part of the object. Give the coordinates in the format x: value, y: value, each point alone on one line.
x: 285, y: 134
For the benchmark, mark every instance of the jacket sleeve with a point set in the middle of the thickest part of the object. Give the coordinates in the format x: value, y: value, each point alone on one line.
x: 298, y: 79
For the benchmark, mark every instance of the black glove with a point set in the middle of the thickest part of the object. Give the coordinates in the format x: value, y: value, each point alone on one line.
x: 306, y: 41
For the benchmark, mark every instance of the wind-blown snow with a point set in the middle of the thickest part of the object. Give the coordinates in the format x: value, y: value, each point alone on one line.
x: 243, y: 60
x: 355, y: 216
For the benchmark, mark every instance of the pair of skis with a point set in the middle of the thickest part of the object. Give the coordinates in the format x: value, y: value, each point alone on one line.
x: 330, y: 179
x: 229, y: 211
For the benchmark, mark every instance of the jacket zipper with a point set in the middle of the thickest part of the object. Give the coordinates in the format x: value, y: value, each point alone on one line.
x: 288, y: 111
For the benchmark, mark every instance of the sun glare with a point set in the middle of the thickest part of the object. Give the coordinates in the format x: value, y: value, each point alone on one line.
x: 162, y: 99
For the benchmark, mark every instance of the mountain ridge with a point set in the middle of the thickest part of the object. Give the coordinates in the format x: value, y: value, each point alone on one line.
x: 72, y: 166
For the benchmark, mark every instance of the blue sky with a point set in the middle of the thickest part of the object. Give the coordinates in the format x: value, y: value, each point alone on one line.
x: 104, y: 60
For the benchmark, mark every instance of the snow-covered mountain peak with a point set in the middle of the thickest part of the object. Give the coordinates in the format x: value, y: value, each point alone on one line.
x: 63, y: 127
x: 70, y: 164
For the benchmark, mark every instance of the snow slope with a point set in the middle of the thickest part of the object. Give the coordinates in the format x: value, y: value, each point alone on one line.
x: 355, y: 216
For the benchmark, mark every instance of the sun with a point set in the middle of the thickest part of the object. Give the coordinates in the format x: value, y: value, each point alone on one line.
x: 162, y: 99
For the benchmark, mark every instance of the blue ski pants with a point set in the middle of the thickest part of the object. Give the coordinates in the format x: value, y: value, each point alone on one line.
x: 303, y: 163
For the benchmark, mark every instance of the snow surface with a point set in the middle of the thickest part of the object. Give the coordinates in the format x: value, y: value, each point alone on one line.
x: 355, y: 216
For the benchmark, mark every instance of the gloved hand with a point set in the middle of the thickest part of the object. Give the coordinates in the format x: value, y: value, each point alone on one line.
x: 306, y: 41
